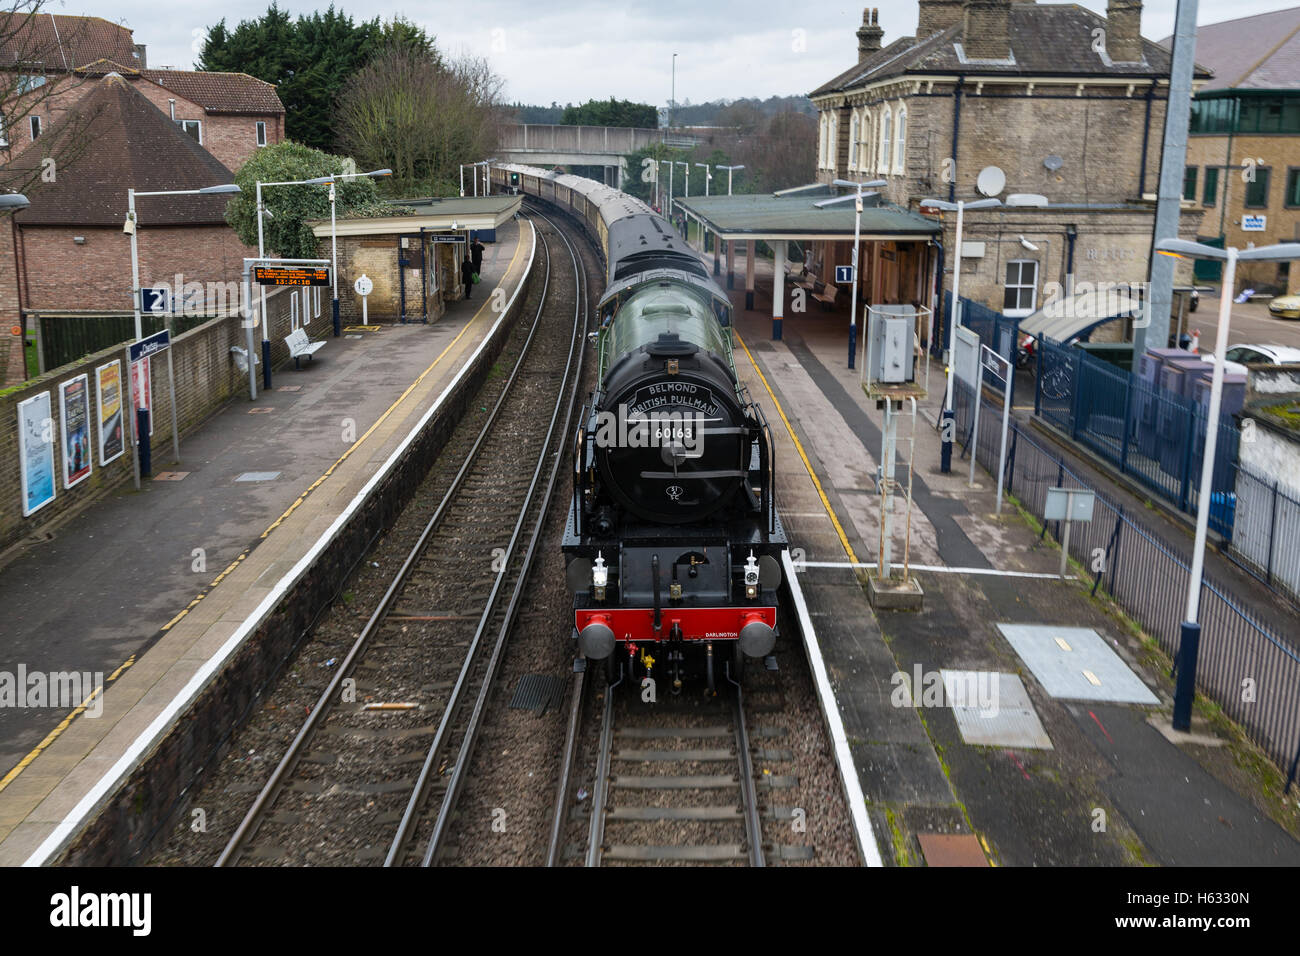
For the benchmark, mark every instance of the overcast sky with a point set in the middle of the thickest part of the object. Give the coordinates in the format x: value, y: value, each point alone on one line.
x: 574, y: 51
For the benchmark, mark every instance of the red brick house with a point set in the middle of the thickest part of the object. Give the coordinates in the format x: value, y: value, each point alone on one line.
x: 67, y: 250
x: 51, y: 61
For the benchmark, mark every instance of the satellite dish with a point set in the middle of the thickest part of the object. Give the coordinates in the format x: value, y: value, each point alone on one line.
x: 1053, y: 162
x: 990, y: 181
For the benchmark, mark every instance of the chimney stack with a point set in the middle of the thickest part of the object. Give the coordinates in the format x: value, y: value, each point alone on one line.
x: 937, y: 16
x: 869, y: 34
x: 1124, y: 31
x: 987, y: 31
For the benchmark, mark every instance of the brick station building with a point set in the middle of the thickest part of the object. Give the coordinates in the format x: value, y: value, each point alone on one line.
x: 1067, y: 104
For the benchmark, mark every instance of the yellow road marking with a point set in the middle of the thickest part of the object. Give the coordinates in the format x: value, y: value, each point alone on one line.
x: 67, y: 721
x: 839, y: 529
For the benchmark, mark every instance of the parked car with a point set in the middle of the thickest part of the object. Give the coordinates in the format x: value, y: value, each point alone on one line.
x: 1239, y: 356
x: 1285, y: 306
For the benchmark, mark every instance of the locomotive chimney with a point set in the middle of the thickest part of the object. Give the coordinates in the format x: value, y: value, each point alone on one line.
x: 869, y: 34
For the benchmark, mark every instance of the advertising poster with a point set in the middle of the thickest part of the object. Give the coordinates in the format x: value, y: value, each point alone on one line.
x: 142, y: 388
x: 74, y: 412
x: 36, y: 452
x: 111, y: 427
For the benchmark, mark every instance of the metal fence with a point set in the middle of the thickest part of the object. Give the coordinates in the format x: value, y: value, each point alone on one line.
x: 996, y: 331
x: 1266, y: 533
x: 1156, y: 436
x: 66, y: 337
x: 1253, y: 674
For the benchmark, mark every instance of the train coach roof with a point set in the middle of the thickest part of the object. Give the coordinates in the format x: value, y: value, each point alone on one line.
x: 612, y: 203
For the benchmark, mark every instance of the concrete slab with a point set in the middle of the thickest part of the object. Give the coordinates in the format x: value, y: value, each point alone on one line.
x: 1074, y: 663
x: 993, y: 710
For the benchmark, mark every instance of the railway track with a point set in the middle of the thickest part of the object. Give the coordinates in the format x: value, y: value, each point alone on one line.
x: 379, y: 760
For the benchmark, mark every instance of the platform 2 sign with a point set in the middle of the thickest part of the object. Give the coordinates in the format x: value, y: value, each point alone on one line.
x: 291, y: 275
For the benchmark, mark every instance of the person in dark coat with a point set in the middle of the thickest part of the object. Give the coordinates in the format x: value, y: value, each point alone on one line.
x: 467, y: 275
x: 476, y: 251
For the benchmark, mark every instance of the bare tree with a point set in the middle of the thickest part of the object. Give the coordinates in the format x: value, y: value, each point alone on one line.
x: 44, y: 62
x: 420, y: 117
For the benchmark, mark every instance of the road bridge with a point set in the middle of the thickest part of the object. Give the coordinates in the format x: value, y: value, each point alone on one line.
x: 537, y: 144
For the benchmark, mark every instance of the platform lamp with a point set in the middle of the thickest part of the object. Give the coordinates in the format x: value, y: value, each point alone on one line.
x: 1190, y: 637
x: 730, y: 170
x: 708, y: 177
x: 858, y: 195
x: 13, y: 202
x: 129, y: 227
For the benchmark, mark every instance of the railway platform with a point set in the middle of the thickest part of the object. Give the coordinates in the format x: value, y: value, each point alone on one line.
x: 146, y: 591
x: 1076, y: 782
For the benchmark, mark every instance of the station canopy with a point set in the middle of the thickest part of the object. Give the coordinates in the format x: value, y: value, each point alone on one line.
x: 1067, y: 317
x: 431, y: 215
x: 793, y: 214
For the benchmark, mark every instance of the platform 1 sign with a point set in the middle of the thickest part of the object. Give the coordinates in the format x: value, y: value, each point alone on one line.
x: 843, y: 275
x: 291, y: 275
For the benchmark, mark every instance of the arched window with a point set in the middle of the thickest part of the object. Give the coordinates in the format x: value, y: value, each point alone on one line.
x: 853, y: 141
x: 868, y: 141
x: 833, y: 155
x: 821, y: 141
x: 882, y: 162
x: 900, y: 138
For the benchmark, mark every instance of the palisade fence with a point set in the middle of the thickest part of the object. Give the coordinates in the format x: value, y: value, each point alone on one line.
x: 1254, y: 675
x: 1147, y: 432
x: 66, y: 337
x: 1266, y: 533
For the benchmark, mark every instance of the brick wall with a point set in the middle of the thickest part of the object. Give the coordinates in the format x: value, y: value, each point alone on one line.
x: 62, y: 274
x: 377, y: 258
x: 206, y: 378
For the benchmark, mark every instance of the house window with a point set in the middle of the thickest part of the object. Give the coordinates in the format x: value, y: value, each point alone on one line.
x: 35, y: 122
x: 882, y: 164
x: 29, y: 81
x: 900, y: 137
x: 1020, y: 296
x: 1292, y: 197
x: 4, y: 135
x: 1210, y: 195
x: 1189, y: 183
x: 193, y: 129
x: 1257, y: 189
x: 853, y: 141
x: 261, y: 133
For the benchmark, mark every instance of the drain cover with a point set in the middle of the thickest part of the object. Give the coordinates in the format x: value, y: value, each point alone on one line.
x: 288, y: 388
x: 538, y: 693
x: 258, y: 476
x: 1076, y: 663
x: 170, y: 476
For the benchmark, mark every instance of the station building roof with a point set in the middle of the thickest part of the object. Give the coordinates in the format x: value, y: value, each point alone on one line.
x: 431, y: 215
x: 791, y: 214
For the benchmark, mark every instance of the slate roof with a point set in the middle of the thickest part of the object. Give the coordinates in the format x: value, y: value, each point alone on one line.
x: 1254, y: 53
x: 220, y: 92
x: 63, y: 43
x: 135, y: 146
x: 1048, y: 40
x: 772, y: 215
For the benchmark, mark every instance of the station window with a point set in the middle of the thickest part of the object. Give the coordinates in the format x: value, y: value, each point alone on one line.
x: 1020, y: 296
x: 1292, y: 197
x: 886, y: 123
x: 1210, y: 195
x: 853, y: 141
x: 1189, y: 182
x: 1257, y: 189
x: 900, y: 137
x: 261, y: 133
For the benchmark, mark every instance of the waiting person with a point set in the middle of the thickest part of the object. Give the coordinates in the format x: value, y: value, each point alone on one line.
x: 476, y: 252
x: 467, y: 275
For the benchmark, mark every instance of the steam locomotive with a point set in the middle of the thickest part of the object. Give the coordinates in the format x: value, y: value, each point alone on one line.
x: 673, y: 541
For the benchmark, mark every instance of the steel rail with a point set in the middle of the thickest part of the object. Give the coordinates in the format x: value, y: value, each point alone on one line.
x: 266, y: 797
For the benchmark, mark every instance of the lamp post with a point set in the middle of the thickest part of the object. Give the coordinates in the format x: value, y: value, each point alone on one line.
x: 1189, y: 645
x: 857, y: 196
x: 13, y: 202
x: 672, y: 102
x: 687, y: 167
x: 708, y: 177
x: 334, y: 252
x: 130, y: 229
x: 730, y: 170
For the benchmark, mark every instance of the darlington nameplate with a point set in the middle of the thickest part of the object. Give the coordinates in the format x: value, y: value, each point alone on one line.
x: 676, y: 395
x: 288, y: 275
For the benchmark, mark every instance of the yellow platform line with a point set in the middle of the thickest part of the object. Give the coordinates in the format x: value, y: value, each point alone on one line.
x: 798, y: 445
x: 67, y: 721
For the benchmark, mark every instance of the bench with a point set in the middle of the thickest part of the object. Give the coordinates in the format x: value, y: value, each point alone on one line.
x: 300, y: 345
x: 827, y: 295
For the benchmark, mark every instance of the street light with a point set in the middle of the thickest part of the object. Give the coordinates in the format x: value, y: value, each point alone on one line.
x: 669, y: 162
x: 672, y: 102
x: 708, y: 177
x: 13, y: 202
x: 857, y: 197
x: 129, y: 227
x: 334, y: 252
x: 1190, y: 641
x: 730, y: 170
x: 688, y: 177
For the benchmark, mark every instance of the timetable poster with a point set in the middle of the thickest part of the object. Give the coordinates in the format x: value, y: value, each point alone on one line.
x: 74, y: 411
x: 111, y: 436
x: 36, y: 452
